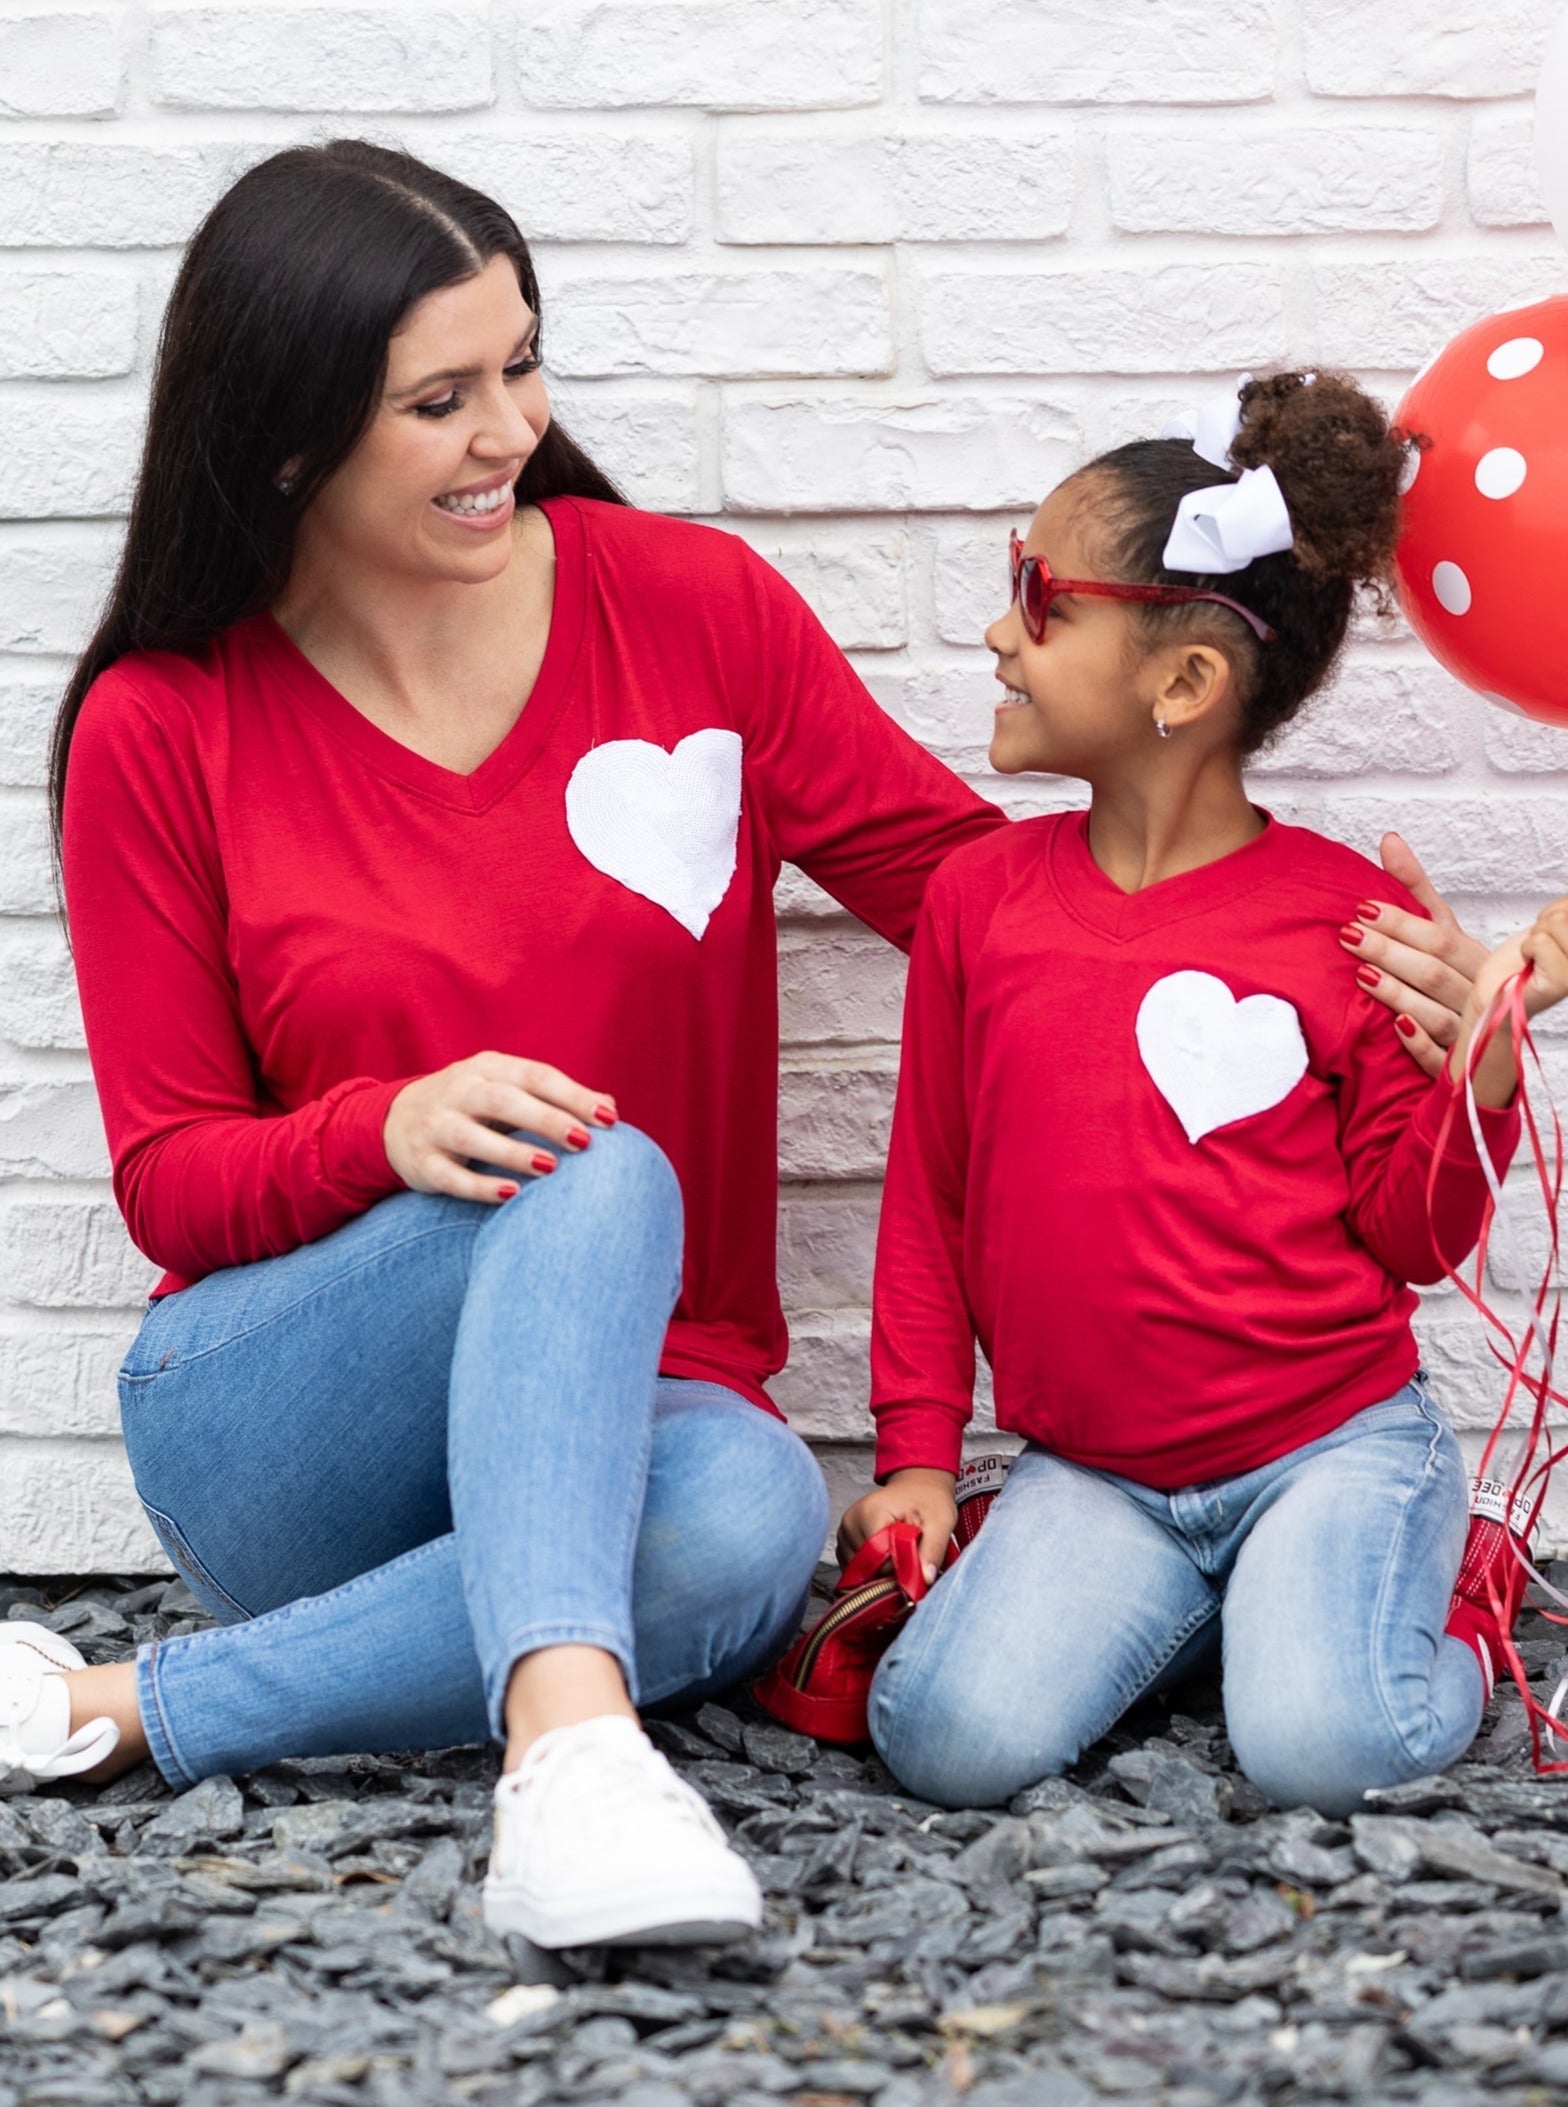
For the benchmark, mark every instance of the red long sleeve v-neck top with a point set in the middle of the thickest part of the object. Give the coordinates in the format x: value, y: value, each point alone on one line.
x: 1162, y: 1156
x: 280, y: 915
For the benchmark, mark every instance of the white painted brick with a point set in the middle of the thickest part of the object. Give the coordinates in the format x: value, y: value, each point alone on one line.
x: 1396, y: 718
x: 772, y: 55
x: 827, y: 1245
x: 71, y: 1254
x: 1209, y: 317
x: 948, y: 453
x: 970, y: 583
x: 61, y: 62
x: 1500, y: 171
x: 38, y: 1005
x: 109, y: 195
x: 855, y: 581
x: 52, y: 581
x: 1523, y: 745
x: 582, y: 186
x: 838, y: 988
x: 646, y: 439
x: 66, y: 457
x: 51, y: 1130
x: 24, y: 854
x: 1407, y: 47
x: 1395, y: 312
x: 1091, y: 51
x: 1266, y: 179
x: 949, y: 709
x: 76, y: 323
x: 70, y: 1507
x: 27, y: 708
x: 749, y: 322
x: 834, y: 1121
x: 61, y: 1382
x: 322, y: 57
x: 1462, y: 839
x: 781, y: 183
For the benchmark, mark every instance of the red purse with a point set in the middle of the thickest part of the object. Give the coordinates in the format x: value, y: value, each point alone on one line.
x: 821, y: 1685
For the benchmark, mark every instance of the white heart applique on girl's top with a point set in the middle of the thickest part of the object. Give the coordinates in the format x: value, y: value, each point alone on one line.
x: 1213, y: 1059
x: 662, y: 824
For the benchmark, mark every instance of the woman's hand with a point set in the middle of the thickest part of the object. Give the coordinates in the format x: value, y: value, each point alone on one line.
x: 1543, y: 947
x: 440, y: 1123
x: 1424, y: 969
x: 923, y: 1496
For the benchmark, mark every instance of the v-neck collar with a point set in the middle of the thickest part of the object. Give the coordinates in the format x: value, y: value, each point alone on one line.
x: 500, y: 769
x: 1100, y: 904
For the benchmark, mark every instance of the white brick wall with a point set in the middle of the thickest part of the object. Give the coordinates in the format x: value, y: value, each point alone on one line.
x: 859, y: 278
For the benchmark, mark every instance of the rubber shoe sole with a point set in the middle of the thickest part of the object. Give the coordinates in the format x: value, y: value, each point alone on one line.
x: 629, y: 1916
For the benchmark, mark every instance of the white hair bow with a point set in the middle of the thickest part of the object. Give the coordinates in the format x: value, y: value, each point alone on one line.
x: 1224, y: 527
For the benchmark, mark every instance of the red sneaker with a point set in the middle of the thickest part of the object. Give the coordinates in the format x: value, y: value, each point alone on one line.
x: 1491, y: 1584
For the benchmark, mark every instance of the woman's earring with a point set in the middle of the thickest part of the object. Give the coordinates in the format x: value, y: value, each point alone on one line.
x: 286, y: 485
x: 1162, y: 727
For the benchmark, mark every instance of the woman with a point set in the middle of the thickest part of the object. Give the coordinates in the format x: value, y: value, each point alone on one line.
x: 403, y: 739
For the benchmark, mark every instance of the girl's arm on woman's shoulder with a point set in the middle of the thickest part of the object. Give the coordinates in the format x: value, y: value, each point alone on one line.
x: 204, y: 1178
x: 851, y: 798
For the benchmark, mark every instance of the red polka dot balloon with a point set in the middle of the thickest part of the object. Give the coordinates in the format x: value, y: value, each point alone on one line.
x: 1483, y: 557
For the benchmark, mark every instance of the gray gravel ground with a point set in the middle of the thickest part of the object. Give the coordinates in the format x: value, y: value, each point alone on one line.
x: 1146, y: 1931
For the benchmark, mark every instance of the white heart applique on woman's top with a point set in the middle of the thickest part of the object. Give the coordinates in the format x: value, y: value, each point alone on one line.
x: 662, y: 824
x: 1215, y: 1060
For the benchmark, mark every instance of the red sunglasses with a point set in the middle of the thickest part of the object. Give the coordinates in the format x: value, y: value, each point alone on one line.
x: 1034, y: 588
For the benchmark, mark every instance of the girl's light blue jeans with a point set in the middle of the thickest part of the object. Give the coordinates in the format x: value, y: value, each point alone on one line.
x: 395, y: 1461
x: 1326, y: 1575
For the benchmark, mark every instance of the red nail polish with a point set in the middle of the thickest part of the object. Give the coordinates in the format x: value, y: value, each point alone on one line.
x: 506, y: 1192
x: 1350, y: 934
x: 1368, y: 976
x: 1368, y: 911
x: 579, y: 1137
x: 544, y: 1164
x: 1407, y: 1025
x: 606, y: 1115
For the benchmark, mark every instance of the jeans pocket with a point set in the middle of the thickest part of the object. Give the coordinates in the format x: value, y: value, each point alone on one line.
x: 213, y: 1598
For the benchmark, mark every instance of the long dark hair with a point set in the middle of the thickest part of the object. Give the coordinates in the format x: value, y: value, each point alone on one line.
x: 273, y: 350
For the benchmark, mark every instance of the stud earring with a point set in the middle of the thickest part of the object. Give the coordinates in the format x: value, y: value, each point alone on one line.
x: 1162, y: 727
x: 286, y: 485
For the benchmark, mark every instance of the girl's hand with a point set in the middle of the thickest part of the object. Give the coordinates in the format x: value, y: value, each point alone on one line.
x: 1425, y: 969
x: 439, y: 1123
x: 1543, y: 947
x: 923, y: 1496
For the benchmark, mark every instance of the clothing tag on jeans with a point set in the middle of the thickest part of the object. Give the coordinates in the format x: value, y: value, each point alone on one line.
x: 1489, y: 1500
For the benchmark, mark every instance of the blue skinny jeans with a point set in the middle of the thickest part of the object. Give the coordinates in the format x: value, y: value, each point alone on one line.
x: 1327, y: 1576
x: 393, y: 1462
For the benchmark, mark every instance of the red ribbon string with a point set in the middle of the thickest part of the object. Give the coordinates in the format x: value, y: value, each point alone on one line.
x: 1510, y: 1489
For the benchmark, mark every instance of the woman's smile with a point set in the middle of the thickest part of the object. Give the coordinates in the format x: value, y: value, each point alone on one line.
x: 482, y: 506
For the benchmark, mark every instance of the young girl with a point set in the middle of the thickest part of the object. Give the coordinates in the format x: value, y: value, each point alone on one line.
x: 1172, y: 1176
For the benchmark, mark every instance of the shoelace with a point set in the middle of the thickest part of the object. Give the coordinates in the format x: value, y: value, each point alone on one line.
x: 624, y: 1774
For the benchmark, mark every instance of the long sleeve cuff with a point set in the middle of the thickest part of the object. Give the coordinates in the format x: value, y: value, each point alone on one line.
x: 1499, y: 1128
x: 353, y: 1150
x: 919, y: 1437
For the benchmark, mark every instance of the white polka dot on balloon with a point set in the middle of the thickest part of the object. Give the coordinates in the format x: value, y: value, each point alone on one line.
x: 1451, y: 587
x: 1520, y: 355
x: 1500, y: 471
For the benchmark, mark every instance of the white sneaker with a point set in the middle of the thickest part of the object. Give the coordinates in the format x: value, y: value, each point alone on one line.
x: 599, y: 1843
x: 36, y: 1742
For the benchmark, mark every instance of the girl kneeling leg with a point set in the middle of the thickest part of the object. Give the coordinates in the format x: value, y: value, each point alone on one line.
x: 1330, y: 1570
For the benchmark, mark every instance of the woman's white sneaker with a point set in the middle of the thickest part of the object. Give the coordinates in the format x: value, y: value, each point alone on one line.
x: 36, y: 1742
x: 599, y: 1843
